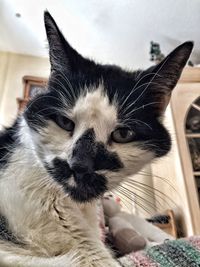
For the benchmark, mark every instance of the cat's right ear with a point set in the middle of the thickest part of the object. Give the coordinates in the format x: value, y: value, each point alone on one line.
x: 62, y: 55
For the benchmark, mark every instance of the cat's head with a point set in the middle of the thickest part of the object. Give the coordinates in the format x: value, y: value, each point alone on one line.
x: 98, y: 124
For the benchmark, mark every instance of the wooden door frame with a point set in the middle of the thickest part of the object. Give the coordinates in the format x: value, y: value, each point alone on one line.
x: 190, y: 76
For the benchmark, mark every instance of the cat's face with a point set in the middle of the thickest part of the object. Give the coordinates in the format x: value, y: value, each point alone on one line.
x: 98, y: 124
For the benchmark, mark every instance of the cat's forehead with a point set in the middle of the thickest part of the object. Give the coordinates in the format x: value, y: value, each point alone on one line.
x: 94, y: 110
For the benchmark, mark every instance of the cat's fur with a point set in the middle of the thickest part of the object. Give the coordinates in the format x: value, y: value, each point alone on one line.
x: 50, y: 178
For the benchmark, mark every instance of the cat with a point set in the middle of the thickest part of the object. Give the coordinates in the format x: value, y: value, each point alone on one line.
x: 93, y: 127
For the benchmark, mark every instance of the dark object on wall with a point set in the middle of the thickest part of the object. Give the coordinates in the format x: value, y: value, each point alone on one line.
x: 193, y: 137
x: 32, y: 87
x: 190, y: 63
x: 166, y: 222
x: 163, y: 219
x: 155, y: 52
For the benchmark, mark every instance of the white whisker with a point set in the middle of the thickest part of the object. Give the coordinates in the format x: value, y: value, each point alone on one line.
x: 141, y: 107
x: 150, y: 81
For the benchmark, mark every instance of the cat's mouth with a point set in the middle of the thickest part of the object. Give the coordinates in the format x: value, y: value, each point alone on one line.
x: 80, y: 186
x: 86, y: 187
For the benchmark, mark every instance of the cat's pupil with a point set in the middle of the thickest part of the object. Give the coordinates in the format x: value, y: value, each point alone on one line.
x: 124, y: 132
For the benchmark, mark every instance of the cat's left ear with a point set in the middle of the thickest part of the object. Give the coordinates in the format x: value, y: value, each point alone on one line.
x: 163, y: 77
x: 62, y: 55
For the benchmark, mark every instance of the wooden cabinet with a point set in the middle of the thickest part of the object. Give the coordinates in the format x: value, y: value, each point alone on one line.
x: 32, y: 86
x: 185, y: 106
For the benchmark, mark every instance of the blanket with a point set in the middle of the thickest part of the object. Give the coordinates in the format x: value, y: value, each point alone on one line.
x: 177, y: 253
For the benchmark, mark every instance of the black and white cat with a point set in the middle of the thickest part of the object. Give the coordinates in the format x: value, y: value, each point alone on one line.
x: 95, y: 125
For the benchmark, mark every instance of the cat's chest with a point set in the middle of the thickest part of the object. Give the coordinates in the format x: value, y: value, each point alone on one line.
x: 26, y: 212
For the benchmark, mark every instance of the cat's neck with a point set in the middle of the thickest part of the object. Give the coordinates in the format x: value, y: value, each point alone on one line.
x: 24, y: 183
x: 19, y: 157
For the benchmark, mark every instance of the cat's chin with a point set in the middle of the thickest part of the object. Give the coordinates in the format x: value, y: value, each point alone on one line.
x: 87, y: 187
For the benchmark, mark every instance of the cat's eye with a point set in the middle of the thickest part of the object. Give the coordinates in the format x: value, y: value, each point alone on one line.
x: 65, y: 123
x: 122, y: 135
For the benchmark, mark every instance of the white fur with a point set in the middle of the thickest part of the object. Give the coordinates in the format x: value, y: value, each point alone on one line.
x: 94, y: 111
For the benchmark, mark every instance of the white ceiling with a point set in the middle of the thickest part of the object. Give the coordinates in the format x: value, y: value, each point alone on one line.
x: 114, y: 31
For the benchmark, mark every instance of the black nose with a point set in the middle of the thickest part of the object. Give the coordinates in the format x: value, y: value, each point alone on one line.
x: 82, y: 165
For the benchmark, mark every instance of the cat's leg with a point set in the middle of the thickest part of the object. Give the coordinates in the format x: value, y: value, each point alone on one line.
x: 81, y: 226
x: 66, y: 232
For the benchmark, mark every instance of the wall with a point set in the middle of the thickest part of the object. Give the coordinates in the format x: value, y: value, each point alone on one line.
x: 168, y: 177
x: 3, y: 74
x: 12, y: 68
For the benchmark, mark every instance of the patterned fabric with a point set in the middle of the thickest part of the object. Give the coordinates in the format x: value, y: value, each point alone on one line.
x: 178, y: 253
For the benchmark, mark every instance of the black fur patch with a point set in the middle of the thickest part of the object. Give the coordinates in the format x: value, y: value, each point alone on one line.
x: 84, y: 153
x: 60, y: 170
x: 8, y: 142
x: 89, y: 186
x: 105, y: 160
x: 88, y: 157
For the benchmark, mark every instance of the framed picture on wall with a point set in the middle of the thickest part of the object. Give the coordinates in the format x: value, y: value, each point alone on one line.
x: 32, y: 87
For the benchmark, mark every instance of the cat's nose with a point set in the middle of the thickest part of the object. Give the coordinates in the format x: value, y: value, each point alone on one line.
x: 82, y: 161
x: 81, y: 165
